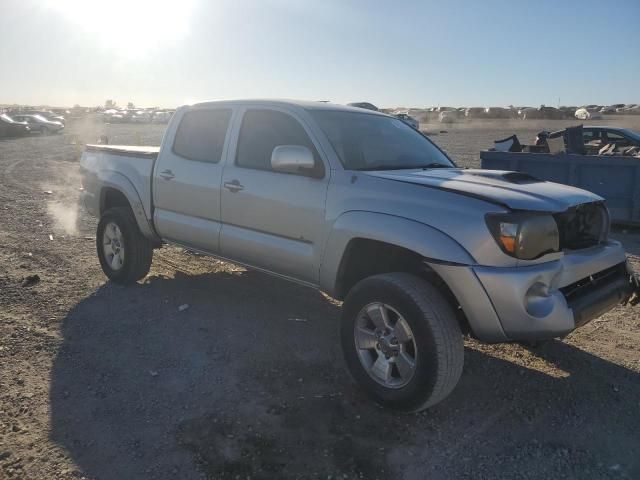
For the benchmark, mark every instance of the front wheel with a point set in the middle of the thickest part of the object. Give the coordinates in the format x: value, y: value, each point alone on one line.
x: 401, y: 341
x: 125, y: 254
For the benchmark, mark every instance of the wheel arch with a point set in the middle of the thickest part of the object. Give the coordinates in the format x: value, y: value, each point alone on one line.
x: 359, y: 234
x: 118, y: 191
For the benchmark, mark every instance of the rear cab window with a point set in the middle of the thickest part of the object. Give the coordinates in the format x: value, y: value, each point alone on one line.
x: 201, y: 135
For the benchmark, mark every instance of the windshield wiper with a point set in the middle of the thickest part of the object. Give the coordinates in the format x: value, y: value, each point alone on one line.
x: 435, y: 165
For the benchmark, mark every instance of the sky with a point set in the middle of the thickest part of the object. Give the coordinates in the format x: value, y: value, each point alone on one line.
x: 392, y: 53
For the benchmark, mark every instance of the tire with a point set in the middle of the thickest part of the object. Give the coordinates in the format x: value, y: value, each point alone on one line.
x: 436, y: 341
x: 137, y: 250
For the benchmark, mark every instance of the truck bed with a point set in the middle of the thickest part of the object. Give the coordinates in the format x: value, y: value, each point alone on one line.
x: 125, y: 167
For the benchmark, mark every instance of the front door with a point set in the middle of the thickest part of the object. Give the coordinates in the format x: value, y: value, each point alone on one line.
x: 273, y: 220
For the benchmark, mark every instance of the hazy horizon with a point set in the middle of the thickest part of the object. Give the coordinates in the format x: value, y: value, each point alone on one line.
x: 420, y: 54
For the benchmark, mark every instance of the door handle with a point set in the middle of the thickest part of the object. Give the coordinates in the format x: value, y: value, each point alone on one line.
x: 233, y: 186
x: 167, y: 174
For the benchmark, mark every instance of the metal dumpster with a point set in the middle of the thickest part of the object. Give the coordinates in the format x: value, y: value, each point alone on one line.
x: 614, y: 178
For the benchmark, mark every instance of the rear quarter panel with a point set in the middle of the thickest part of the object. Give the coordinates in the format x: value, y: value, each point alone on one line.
x: 128, y: 174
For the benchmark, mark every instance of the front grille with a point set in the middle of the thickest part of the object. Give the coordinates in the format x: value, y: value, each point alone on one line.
x: 583, y: 226
x: 596, y: 294
x: 588, y: 284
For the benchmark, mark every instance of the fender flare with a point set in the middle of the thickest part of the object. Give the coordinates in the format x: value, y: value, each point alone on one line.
x: 418, y: 237
x: 119, y: 182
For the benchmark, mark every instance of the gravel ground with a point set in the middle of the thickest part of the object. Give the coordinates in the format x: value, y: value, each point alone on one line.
x: 103, y: 382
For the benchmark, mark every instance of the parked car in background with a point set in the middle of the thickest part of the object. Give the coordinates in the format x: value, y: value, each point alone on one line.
x: 551, y: 113
x: 630, y: 110
x: 497, y: 112
x: 406, y: 118
x: 588, y: 113
x: 38, y: 123
x: 528, y: 113
x: 115, y: 118
x: 543, y: 112
x: 107, y: 114
x: 448, y: 116
x: 11, y: 128
x: 161, y: 117
x: 568, y: 111
x: 141, y: 116
x: 475, y: 112
x: 365, y: 105
x: 616, y: 106
x: 48, y: 114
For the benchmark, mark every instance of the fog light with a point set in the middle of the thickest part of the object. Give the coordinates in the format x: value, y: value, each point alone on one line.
x: 537, y: 301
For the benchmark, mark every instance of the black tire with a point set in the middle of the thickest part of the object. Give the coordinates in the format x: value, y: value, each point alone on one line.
x: 439, y: 355
x: 138, y: 249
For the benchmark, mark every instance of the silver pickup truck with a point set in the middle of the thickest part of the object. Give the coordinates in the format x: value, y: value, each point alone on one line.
x: 370, y: 211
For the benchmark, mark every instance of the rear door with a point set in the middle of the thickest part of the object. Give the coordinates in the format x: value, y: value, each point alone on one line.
x: 273, y: 220
x: 187, y: 175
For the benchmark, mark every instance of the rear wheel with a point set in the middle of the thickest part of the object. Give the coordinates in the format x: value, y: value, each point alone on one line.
x: 125, y: 254
x: 401, y: 341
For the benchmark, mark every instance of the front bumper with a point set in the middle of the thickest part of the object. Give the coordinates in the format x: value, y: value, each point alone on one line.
x: 546, y: 300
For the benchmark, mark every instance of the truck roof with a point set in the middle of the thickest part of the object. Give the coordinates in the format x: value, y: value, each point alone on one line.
x: 307, y: 105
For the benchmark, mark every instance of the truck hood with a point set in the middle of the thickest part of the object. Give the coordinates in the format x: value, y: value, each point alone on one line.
x: 515, y: 190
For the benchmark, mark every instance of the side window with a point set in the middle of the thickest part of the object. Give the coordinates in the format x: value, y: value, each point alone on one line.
x: 264, y: 130
x: 615, y: 137
x: 200, y: 135
x: 590, y: 135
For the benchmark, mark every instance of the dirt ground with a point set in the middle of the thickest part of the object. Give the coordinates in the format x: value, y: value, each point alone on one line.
x: 103, y: 382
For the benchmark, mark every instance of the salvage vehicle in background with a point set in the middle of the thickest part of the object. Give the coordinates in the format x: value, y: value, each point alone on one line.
x: 37, y: 123
x: 11, y: 128
x: 599, y: 136
x: 409, y: 120
x: 621, y: 137
x: 365, y: 208
x: 475, y: 112
x: 141, y: 116
x: 585, y: 113
x: 630, y: 110
x: 543, y: 112
x: 161, y: 117
x: 448, y: 116
x: 497, y: 112
x: 604, y: 160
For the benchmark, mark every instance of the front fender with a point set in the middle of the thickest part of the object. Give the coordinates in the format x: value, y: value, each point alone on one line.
x: 418, y: 237
x: 111, y: 179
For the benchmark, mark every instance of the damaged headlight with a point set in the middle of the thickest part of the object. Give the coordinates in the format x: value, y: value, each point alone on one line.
x: 525, y: 235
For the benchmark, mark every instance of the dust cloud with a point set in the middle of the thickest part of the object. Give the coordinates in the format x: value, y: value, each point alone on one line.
x: 65, y: 216
x: 63, y: 203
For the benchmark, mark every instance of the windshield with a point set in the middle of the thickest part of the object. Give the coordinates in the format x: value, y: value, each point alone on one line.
x: 7, y: 118
x: 374, y: 142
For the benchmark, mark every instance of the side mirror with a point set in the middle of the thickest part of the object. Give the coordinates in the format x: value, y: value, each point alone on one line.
x: 293, y: 159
